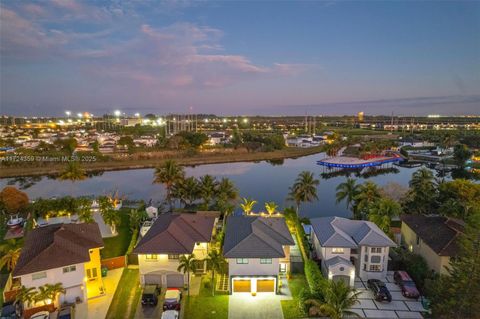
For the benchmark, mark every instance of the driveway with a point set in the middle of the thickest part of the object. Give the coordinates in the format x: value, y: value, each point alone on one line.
x: 400, y: 307
x: 262, y: 306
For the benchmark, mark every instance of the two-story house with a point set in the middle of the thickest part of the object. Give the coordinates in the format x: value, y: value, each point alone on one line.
x: 257, y: 250
x: 435, y: 238
x: 349, y: 248
x: 62, y: 253
x: 171, y: 236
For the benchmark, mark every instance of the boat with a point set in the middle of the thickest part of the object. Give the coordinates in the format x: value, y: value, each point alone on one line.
x: 15, y: 222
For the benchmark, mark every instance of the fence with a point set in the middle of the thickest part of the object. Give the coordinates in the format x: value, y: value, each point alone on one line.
x: 115, y: 262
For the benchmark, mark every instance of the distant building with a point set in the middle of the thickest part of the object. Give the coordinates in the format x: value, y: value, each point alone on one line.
x: 360, y: 116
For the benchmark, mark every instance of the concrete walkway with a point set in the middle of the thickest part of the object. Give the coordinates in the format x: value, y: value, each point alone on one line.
x: 195, y: 283
x: 262, y: 306
x: 98, y: 307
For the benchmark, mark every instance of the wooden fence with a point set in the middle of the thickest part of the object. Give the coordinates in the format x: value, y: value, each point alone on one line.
x: 115, y: 262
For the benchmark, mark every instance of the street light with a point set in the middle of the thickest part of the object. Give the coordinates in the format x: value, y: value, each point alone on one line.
x: 137, y: 114
x: 245, y: 120
x: 117, y: 113
x: 79, y: 115
x: 68, y: 113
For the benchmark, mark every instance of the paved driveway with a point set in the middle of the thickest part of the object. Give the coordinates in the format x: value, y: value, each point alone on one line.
x: 262, y: 306
x: 400, y: 307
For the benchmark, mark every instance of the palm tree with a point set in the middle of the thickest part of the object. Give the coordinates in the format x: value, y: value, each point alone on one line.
x: 271, y: 208
x: 367, y: 196
x: 26, y: 295
x: 216, y: 263
x: 54, y: 290
x: 187, y: 265
x: 109, y: 215
x: 186, y: 190
x: 84, y: 210
x: 347, y: 191
x: 42, y: 294
x: 421, y: 178
x: 247, y: 205
x: 168, y: 174
x: 339, y: 298
x: 226, y: 190
x: 73, y: 172
x: 304, y: 189
x: 383, y: 212
x: 10, y: 252
x: 208, y: 185
x: 137, y: 217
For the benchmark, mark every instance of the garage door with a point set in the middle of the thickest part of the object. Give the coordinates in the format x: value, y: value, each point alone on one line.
x: 345, y: 279
x: 242, y: 285
x: 265, y: 285
x: 175, y: 281
x: 153, y: 279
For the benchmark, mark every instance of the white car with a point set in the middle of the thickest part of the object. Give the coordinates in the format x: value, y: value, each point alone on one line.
x: 41, y: 315
x: 170, y: 314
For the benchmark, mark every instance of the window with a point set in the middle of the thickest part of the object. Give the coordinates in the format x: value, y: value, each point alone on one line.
x: 375, y: 259
x: 151, y: 257
x: 375, y: 268
x: 173, y: 256
x: 39, y: 275
x: 337, y: 250
x: 92, y: 273
x: 69, y: 269
x: 376, y: 250
x: 265, y: 260
x: 242, y: 261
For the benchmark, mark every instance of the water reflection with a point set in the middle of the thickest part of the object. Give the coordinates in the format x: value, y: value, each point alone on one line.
x: 263, y: 181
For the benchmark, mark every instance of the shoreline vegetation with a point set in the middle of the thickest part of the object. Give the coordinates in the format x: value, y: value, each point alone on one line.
x: 200, y: 158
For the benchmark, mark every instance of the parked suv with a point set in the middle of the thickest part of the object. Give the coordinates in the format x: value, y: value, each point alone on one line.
x: 379, y: 289
x: 172, y: 299
x: 150, y: 295
x: 403, y: 279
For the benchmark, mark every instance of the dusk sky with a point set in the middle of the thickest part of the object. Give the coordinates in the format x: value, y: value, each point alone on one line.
x: 240, y: 58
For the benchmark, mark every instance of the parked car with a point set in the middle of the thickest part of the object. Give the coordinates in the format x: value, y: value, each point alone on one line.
x: 403, y: 279
x: 170, y: 314
x: 379, y: 289
x: 172, y: 299
x: 150, y: 295
x: 41, y: 315
x: 67, y: 311
x: 11, y: 310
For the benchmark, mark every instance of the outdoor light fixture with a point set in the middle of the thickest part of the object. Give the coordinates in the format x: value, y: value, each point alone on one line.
x: 137, y: 114
x: 117, y: 113
x: 68, y: 113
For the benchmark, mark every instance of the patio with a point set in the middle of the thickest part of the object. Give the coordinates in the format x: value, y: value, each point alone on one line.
x: 400, y: 307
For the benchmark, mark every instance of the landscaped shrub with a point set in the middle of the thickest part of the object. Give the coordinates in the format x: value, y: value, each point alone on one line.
x: 133, y: 241
x: 314, y: 277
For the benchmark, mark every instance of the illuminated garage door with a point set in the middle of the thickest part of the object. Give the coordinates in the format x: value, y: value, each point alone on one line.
x: 175, y: 281
x: 265, y: 285
x: 242, y: 285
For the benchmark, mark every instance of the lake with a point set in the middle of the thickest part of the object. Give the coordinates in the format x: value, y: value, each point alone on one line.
x: 262, y: 181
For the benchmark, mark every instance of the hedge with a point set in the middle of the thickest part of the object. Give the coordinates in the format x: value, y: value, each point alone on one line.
x: 314, y: 277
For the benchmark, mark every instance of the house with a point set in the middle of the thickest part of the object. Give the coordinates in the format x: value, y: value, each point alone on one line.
x: 62, y: 253
x: 171, y: 236
x: 257, y: 250
x: 349, y: 248
x: 433, y: 237
x: 216, y: 138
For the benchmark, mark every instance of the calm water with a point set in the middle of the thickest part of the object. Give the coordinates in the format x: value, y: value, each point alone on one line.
x: 261, y: 181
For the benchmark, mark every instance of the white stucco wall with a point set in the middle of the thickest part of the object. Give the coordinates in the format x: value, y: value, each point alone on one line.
x: 71, y: 281
x: 253, y: 268
x: 366, y: 274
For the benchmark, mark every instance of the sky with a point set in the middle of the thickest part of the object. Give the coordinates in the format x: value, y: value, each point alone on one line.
x: 240, y: 57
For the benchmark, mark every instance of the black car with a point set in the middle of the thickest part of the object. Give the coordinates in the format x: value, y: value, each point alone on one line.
x: 379, y: 289
x: 11, y: 310
x: 150, y: 295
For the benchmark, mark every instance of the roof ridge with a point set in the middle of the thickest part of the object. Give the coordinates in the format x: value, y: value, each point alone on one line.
x: 190, y: 226
x: 174, y: 238
x: 448, y: 243
x: 271, y: 228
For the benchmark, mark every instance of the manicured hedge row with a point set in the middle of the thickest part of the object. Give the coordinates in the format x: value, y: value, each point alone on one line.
x: 314, y: 277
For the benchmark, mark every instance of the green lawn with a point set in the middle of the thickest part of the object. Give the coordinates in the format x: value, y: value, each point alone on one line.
x: 290, y: 308
x: 118, y: 245
x: 203, y: 305
x: 125, y: 300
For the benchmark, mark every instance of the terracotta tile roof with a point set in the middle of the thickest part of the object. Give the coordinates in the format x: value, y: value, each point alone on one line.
x: 56, y: 246
x: 177, y: 233
x: 438, y: 232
